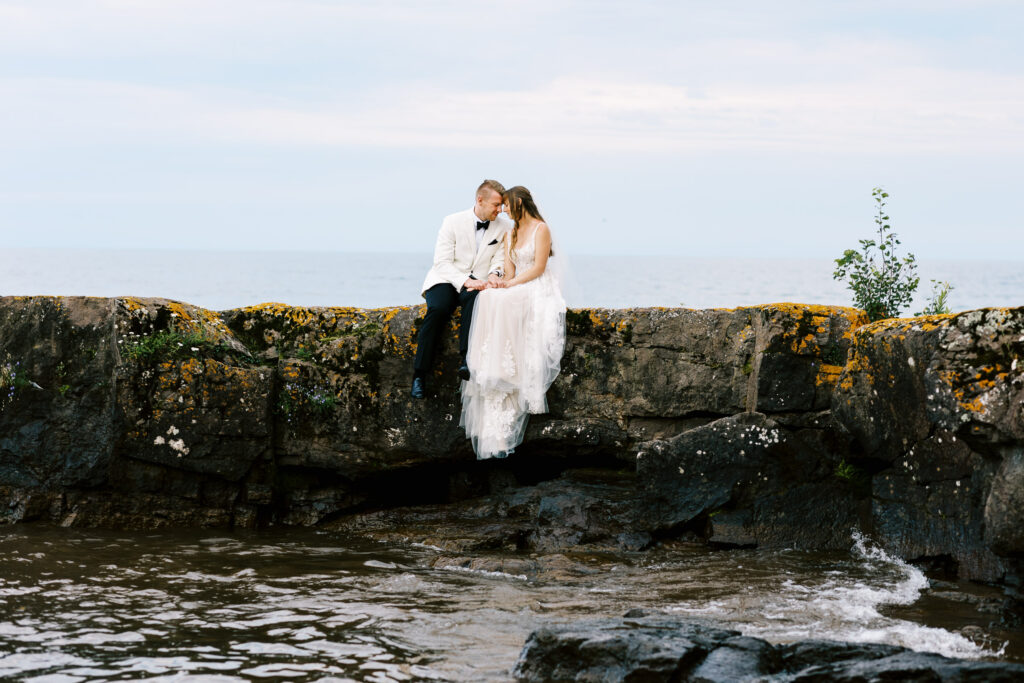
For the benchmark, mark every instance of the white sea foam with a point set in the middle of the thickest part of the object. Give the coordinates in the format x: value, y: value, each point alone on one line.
x: 843, y: 607
x: 488, y: 574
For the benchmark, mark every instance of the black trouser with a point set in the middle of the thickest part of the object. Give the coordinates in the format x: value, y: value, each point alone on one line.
x: 442, y: 300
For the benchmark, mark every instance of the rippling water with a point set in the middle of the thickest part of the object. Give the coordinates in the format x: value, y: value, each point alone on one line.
x: 305, y: 605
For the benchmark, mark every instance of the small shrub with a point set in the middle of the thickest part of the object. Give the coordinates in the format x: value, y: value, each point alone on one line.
x: 882, y: 283
x: 938, y: 302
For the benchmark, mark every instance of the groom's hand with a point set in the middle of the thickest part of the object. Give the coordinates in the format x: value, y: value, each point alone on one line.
x: 472, y: 283
x: 493, y: 280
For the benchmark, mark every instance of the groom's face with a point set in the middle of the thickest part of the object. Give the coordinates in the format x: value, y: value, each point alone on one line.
x: 488, y: 204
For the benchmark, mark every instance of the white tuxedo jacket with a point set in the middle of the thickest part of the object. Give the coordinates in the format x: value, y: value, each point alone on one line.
x: 456, y: 256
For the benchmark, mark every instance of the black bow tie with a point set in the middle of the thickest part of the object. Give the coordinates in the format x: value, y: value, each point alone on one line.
x: 482, y: 225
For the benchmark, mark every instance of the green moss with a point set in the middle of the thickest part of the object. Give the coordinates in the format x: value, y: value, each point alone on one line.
x: 168, y: 344
x: 833, y: 354
x: 846, y: 471
x: 284, y: 406
x: 322, y: 403
x: 367, y: 329
x: 578, y: 321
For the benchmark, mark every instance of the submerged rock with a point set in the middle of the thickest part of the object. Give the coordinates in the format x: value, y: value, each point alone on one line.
x: 646, y: 646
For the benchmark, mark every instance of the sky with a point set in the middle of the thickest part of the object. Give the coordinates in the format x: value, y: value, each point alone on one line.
x: 686, y: 127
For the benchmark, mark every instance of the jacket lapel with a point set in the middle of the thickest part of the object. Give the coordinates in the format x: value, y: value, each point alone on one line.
x: 468, y: 236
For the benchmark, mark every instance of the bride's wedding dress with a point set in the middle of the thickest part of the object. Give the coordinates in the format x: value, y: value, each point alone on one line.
x: 516, y: 340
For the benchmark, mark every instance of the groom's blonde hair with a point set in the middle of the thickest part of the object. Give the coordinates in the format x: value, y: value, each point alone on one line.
x: 491, y: 185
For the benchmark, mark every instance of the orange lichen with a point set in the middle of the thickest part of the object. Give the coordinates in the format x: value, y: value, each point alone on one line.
x: 828, y: 375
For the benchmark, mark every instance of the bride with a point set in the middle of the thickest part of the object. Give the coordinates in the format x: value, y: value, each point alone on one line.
x: 516, y: 337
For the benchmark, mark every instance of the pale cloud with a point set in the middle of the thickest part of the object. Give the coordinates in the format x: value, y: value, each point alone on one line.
x: 828, y: 91
x: 912, y: 109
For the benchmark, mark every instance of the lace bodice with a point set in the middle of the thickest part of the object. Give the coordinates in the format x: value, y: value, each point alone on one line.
x: 524, y: 254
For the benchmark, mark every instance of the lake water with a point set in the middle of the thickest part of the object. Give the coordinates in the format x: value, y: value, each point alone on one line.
x: 222, y: 280
x: 298, y: 604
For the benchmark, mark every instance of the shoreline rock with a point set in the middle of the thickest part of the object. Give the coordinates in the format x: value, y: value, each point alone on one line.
x: 654, y: 647
x: 765, y: 426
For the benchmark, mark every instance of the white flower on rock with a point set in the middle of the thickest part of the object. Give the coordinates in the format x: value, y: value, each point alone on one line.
x: 179, y: 446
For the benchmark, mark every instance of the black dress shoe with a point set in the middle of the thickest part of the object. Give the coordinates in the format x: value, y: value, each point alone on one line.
x: 419, y: 388
x: 464, y: 371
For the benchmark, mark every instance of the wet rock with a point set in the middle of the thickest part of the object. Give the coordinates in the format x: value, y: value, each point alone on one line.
x: 1004, y: 509
x: 646, y: 648
x: 581, y: 510
x: 937, y: 404
x: 751, y: 480
x: 911, y: 666
x: 652, y: 647
x: 555, y: 567
x: 57, y: 392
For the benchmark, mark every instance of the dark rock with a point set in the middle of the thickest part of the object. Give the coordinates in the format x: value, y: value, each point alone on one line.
x: 1004, y: 509
x: 938, y: 490
x: 654, y: 647
x: 643, y: 649
x: 937, y: 403
x: 57, y: 357
x: 766, y: 480
x: 736, y: 659
x: 917, y: 667
x: 581, y: 510
x: 811, y: 653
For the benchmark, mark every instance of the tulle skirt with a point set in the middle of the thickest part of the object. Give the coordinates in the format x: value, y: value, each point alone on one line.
x: 516, y: 340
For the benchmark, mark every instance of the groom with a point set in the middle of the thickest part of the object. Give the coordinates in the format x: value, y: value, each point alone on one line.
x: 467, y: 257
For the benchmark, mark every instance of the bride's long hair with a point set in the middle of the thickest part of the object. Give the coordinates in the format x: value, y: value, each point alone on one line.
x: 520, y: 203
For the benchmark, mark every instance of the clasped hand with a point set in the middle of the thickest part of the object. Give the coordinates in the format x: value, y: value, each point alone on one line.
x: 492, y: 282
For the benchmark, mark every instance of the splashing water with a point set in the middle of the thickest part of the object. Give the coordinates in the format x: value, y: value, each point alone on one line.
x: 842, y: 605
